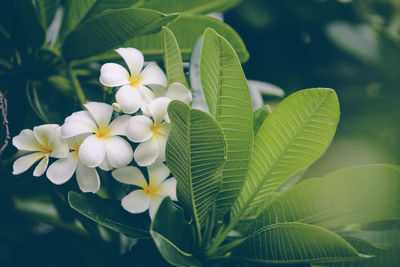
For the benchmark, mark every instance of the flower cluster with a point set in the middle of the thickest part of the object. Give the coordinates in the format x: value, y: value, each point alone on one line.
x: 99, y: 137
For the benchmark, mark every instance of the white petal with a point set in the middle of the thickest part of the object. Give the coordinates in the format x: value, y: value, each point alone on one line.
x: 118, y: 151
x: 106, y: 165
x: 101, y: 112
x: 162, y: 143
x: 41, y: 167
x: 62, y: 170
x: 92, y: 151
x: 152, y: 74
x: 76, y: 141
x: 177, y: 91
x: 147, y: 95
x: 88, y: 179
x: 129, y: 175
x: 136, y: 202
x: 154, y: 205
x: 112, y: 75
x: 158, y: 108
x: 139, y: 129
x: 59, y: 145
x: 157, y: 173
x: 26, y: 140
x: 146, y: 153
x: 44, y: 132
x: 78, y: 123
x: 119, y: 125
x: 168, y: 188
x: 25, y: 162
x: 133, y: 59
x: 129, y: 99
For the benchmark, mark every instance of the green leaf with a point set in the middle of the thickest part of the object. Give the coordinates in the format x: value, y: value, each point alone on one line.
x: 46, y: 11
x: 195, y: 154
x: 173, y: 235
x: 228, y: 99
x: 383, y: 256
x: 110, y: 29
x: 296, y: 133
x: 350, y: 196
x: 78, y: 11
x: 109, y: 213
x: 259, y: 116
x: 187, y: 29
x: 294, y: 243
x: 387, y: 237
x: 198, y: 6
x: 172, y: 58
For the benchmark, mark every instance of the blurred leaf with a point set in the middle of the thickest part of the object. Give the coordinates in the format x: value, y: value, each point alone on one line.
x: 173, y: 235
x: 387, y: 237
x: 349, y: 196
x: 109, y: 213
x: 266, y: 89
x: 259, y: 116
x: 383, y: 256
x: 110, y: 29
x: 225, y: 88
x: 47, y: 10
x: 172, y: 58
x: 296, y: 134
x: 294, y: 243
x: 292, y: 181
x: 195, y: 154
x: 187, y: 29
x: 198, y: 6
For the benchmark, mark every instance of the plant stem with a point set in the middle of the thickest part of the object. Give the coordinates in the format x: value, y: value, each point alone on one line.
x: 76, y: 85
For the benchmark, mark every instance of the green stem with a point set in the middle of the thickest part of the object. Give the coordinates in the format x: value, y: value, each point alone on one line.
x: 209, y: 228
x: 76, y: 85
x: 221, y: 236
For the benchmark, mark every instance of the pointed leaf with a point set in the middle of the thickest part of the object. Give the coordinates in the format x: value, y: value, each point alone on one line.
x: 172, y: 58
x: 228, y: 99
x: 195, y: 154
x: 173, y: 235
x: 349, y: 196
x: 294, y: 243
x: 187, y: 29
x: 296, y: 134
x: 110, y: 29
x: 109, y: 213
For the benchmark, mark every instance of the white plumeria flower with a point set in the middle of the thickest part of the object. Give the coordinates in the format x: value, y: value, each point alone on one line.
x: 103, y: 146
x: 43, y: 142
x: 152, y: 193
x: 158, y: 107
x: 62, y: 170
x: 152, y: 136
x: 133, y: 92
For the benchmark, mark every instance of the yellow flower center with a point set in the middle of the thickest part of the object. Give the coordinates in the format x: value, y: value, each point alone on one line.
x: 102, y: 132
x: 156, y: 129
x: 134, y: 81
x: 151, y: 190
x: 75, y: 149
x: 47, y: 150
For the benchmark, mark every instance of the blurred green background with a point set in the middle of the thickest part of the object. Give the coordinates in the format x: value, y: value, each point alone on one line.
x: 350, y: 46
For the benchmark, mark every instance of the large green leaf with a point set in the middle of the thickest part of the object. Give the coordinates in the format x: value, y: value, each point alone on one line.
x: 296, y: 133
x: 198, y: 6
x: 195, y: 154
x: 110, y: 29
x: 228, y: 99
x: 173, y: 235
x: 383, y: 256
x: 77, y: 11
x: 187, y: 29
x: 110, y: 214
x: 291, y: 243
x: 354, y: 195
x: 172, y: 58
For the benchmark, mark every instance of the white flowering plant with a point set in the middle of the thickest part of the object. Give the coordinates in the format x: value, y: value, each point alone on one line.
x: 215, y: 185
